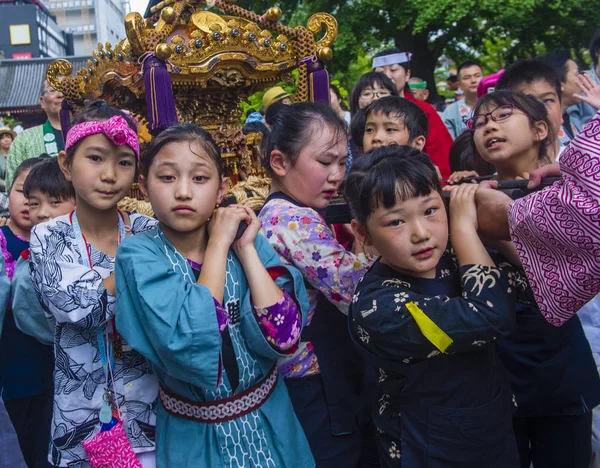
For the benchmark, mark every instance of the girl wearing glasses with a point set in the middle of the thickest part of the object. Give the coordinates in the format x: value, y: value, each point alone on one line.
x: 370, y: 87
x: 552, y: 428
x: 512, y: 132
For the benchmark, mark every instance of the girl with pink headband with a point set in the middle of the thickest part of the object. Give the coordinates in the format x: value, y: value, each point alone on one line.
x: 104, y: 391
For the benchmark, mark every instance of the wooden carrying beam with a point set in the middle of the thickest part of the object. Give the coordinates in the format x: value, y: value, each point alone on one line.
x: 339, y: 213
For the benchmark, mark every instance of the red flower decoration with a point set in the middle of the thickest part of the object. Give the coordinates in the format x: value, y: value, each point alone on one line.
x: 25, y: 254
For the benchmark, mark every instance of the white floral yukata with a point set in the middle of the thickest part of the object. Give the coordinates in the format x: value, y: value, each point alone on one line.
x: 82, y: 307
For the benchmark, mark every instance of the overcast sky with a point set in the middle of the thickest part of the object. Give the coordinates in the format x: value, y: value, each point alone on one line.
x: 138, y: 5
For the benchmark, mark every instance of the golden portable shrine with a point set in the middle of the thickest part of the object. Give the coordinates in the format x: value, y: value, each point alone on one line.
x: 197, y: 61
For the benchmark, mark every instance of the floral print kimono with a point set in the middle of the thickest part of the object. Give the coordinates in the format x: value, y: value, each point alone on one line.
x: 326, y: 378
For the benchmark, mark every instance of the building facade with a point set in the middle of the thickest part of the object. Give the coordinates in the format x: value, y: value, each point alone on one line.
x: 28, y: 30
x: 91, y: 21
x: 21, y: 85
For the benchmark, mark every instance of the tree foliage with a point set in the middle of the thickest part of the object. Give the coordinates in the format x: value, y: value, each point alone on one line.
x: 497, y: 32
x: 7, y: 120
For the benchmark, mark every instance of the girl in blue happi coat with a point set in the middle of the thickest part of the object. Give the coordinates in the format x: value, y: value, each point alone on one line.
x: 213, y: 311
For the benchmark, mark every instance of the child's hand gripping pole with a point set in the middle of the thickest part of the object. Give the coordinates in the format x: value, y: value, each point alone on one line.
x: 228, y: 201
x: 463, y: 227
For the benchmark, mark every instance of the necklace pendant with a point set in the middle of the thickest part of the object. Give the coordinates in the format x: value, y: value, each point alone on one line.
x: 106, y: 414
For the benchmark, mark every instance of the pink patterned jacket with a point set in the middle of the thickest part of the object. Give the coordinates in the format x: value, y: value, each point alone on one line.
x: 557, y: 231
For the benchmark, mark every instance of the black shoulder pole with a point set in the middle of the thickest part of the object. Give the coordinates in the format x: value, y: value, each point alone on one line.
x: 339, y: 213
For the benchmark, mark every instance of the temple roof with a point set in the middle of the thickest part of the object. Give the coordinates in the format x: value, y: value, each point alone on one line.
x: 21, y: 81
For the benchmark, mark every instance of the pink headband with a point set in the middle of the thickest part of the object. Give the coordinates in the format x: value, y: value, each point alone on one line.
x: 116, y: 129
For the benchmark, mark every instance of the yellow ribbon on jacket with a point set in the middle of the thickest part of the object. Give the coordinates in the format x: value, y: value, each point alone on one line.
x: 430, y: 330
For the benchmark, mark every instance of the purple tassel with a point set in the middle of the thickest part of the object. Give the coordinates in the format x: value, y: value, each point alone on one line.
x: 159, y: 95
x: 318, y: 80
x: 65, y: 117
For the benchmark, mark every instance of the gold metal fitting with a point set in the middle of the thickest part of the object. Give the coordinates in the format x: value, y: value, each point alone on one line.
x: 274, y: 14
x: 163, y: 51
x: 168, y: 15
x: 325, y: 54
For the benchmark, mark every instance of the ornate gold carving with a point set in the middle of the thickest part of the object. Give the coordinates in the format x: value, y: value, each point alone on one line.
x: 134, y: 29
x: 215, y: 61
x: 208, y: 22
x: 315, y: 25
x: 59, y: 69
x: 168, y: 15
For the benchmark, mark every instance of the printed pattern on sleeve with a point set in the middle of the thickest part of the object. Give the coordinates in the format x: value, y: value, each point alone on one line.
x: 280, y: 323
x: 301, y: 238
x: 556, y: 231
x: 394, y: 321
x: 9, y: 262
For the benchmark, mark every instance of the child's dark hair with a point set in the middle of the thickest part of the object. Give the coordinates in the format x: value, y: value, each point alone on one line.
x: 357, y: 127
x: 557, y: 59
x: 386, y: 175
x: 336, y: 91
x: 26, y: 166
x: 369, y: 79
x: 411, y: 115
x: 528, y: 72
x: 97, y: 111
x: 272, y: 111
x: 534, y: 109
x: 467, y: 64
x: 47, y: 177
x: 595, y: 47
x: 188, y: 132
x: 465, y: 157
x: 461, y: 153
x: 294, y: 127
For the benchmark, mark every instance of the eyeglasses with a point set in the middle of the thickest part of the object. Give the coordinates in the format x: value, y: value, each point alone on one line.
x: 499, y: 114
x: 379, y: 94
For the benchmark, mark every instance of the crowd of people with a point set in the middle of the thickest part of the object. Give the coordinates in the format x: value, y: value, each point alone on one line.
x: 418, y: 335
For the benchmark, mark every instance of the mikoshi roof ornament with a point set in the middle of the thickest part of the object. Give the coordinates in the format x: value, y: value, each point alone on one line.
x: 196, y: 61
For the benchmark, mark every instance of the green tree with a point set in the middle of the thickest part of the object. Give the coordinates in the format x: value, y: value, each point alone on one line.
x: 497, y: 31
x: 7, y: 120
